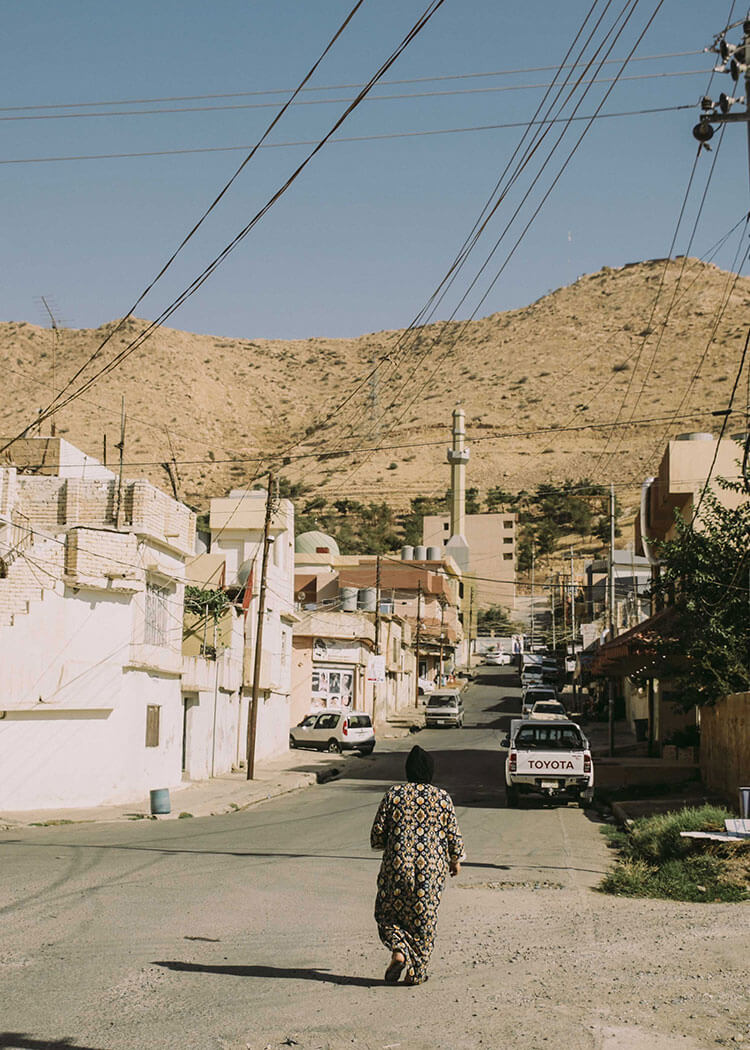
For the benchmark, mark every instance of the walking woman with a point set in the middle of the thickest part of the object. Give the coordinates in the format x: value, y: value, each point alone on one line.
x: 417, y: 830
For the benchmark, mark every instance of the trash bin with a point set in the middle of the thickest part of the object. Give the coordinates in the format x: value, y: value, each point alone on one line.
x: 160, y: 801
x: 744, y: 803
x: 641, y: 729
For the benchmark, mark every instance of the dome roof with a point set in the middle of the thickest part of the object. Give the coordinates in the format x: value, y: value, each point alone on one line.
x: 309, y: 542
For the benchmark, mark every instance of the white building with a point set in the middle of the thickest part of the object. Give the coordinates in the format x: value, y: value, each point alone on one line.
x: 236, y: 524
x: 91, y: 599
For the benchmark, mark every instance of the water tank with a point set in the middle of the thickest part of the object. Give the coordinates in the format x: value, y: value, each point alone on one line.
x: 697, y: 436
x: 433, y: 554
x: 349, y: 599
x: 407, y: 554
x: 420, y: 553
x: 367, y: 599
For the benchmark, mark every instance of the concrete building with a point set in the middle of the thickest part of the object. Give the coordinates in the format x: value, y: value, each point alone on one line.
x: 491, y: 540
x: 213, y: 647
x: 336, y: 597
x: 91, y: 595
x: 629, y: 658
x: 236, y: 525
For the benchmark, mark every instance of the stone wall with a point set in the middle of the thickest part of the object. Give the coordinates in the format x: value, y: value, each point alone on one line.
x: 725, y: 745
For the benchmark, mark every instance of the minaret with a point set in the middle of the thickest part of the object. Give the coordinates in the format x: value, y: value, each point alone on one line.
x: 458, y: 457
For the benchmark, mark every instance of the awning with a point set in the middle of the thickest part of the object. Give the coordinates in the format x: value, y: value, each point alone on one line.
x: 636, y: 651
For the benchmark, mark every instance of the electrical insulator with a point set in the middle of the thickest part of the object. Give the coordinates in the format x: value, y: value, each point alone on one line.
x: 707, y: 103
x: 725, y: 102
x: 703, y: 131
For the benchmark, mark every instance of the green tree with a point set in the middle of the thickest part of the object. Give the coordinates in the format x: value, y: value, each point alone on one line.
x: 494, y: 620
x: 707, y: 570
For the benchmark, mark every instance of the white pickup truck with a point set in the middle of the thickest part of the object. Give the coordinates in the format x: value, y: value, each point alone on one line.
x: 550, y: 759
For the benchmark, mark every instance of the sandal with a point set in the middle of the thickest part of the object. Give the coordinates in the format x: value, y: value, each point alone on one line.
x: 394, y: 971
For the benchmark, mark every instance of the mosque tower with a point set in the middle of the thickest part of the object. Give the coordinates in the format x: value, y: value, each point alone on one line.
x: 458, y: 457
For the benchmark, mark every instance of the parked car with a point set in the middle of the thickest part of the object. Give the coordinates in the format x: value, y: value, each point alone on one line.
x: 445, y: 708
x: 548, y: 710
x: 496, y: 658
x: 335, y: 731
x: 425, y: 685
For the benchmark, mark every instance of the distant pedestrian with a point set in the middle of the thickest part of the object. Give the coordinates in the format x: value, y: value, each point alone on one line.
x: 417, y: 830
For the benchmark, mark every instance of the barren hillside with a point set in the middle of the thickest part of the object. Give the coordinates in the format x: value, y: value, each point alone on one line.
x: 225, y: 408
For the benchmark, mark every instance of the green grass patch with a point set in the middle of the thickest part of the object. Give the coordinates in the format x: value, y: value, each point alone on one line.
x: 654, y: 861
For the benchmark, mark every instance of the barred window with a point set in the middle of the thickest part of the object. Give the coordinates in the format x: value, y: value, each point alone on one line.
x: 155, y: 627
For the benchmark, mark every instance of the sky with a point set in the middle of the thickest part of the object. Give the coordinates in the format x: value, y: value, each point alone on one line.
x: 364, y: 236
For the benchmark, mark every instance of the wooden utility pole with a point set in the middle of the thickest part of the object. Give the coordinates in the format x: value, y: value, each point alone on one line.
x: 418, y: 639
x: 121, y: 447
x: 377, y: 605
x: 252, y: 720
x: 611, y: 603
x: 573, y: 626
x: 471, y: 620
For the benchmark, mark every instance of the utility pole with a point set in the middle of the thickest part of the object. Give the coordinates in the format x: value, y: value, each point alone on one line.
x: 471, y: 618
x: 252, y: 721
x: 573, y: 626
x: 611, y: 589
x: 418, y: 639
x: 533, y: 595
x: 735, y: 59
x: 552, y: 590
x: 121, y: 447
x: 377, y: 605
x: 442, y: 636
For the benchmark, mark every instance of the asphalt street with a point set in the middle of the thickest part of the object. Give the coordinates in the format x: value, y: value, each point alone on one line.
x: 254, y: 928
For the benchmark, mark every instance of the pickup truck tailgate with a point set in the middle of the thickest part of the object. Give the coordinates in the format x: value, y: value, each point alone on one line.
x: 552, y: 764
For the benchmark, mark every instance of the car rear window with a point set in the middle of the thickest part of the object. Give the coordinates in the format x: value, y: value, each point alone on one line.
x: 360, y: 722
x: 442, y: 701
x: 548, y: 708
x: 533, y: 695
x: 548, y: 738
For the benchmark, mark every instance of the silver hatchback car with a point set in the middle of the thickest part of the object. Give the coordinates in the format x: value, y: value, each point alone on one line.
x: 335, y: 731
x: 444, y: 708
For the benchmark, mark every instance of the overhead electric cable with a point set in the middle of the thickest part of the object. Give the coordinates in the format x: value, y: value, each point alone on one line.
x: 327, y: 87
x: 168, y: 111
x: 432, y: 7
x: 140, y: 154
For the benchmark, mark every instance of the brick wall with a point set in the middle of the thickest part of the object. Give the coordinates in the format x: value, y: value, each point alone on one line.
x: 101, y: 554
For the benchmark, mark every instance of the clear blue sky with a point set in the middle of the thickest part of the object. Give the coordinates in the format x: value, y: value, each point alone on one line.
x: 364, y: 236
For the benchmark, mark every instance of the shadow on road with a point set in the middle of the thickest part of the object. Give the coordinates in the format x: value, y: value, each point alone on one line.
x: 284, y: 972
x: 19, y: 1041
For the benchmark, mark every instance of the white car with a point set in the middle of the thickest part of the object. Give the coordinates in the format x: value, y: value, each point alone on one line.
x: 497, y: 658
x: 548, y: 710
x: 335, y: 731
x: 425, y: 685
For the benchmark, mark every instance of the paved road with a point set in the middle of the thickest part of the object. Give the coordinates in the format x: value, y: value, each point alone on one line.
x: 254, y: 928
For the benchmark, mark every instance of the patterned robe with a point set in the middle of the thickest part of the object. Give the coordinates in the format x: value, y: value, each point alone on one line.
x: 417, y: 830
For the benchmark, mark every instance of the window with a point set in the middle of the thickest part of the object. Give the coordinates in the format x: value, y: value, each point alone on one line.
x: 507, y: 539
x: 360, y: 722
x: 327, y: 722
x: 446, y: 526
x: 155, y: 626
x: 152, y: 725
x: 507, y: 557
x: 508, y: 524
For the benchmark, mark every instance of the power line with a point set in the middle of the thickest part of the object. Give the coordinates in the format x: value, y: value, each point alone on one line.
x: 404, y: 97
x: 475, y: 438
x: 340, y: 140
x: 329, y: 87
x: 535, y: 213
x: 193, y: 287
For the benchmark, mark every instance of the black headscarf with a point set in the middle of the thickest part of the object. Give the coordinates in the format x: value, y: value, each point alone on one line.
x: 420, y: 766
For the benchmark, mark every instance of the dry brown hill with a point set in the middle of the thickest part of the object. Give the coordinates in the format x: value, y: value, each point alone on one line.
x: 224, y: 407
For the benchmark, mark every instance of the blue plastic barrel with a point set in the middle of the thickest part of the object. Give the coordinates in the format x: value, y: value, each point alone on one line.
x: 160, y: 801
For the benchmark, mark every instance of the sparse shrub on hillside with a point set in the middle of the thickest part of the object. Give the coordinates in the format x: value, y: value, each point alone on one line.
x: 622, y: 366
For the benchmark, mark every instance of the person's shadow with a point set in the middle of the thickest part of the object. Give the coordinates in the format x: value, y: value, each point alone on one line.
x: 290, y: 973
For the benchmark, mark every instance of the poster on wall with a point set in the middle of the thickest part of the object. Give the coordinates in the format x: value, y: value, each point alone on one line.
x: 376, y: 668
x: 332, y: 687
